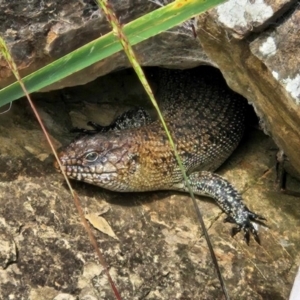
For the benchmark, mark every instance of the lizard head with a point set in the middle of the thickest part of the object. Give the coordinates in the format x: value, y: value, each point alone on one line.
x: 97, y: 159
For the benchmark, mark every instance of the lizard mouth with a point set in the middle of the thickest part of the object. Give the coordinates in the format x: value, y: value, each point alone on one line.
x: 73, y: 172
x: 70, y: 172
x: 57, y: 167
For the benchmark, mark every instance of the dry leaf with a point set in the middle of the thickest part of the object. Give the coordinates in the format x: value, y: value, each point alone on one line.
x: 101, y: 224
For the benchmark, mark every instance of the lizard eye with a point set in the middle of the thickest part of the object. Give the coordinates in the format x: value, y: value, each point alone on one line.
x: 91, y: 156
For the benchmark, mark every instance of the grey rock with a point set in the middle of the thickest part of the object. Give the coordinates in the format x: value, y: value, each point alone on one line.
x: 42, y: 31
x: 160, y: 253
x: 259, y: 57
x: 8, y: 250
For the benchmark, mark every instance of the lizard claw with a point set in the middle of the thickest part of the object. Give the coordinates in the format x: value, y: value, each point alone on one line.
x: 247, y: 226
x: 229, y: 219
x: 256, y: 218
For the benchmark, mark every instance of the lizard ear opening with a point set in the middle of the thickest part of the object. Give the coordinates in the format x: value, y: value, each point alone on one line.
x: 91, y: 156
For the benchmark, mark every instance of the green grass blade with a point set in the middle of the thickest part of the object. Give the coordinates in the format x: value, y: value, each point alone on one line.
x: 137, y: 31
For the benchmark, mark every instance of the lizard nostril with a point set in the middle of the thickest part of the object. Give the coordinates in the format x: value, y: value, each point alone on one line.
x: 56, y: 165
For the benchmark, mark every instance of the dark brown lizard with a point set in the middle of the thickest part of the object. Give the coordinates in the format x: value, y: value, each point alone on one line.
x: 133, y: 154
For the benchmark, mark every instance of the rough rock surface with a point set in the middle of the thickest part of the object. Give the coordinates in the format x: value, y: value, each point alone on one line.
x: 254, y: 43
x: 39, y: 32
x: 158, y: 251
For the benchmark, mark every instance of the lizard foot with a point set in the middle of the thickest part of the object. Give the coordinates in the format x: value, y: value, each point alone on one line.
x: 247, y: 226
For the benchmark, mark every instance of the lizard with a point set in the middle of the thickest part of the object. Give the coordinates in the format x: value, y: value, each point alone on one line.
x: 133, y: 154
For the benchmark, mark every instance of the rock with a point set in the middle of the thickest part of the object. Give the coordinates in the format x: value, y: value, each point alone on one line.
x: 40, y: 32
x: 64, y: 296
x: 161, y: 252
x: 262, y: 65
x: 8, y: 250
x: 254, y: 43
x: 45, y: 293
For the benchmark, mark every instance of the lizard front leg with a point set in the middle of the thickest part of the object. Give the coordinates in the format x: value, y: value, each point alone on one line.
x: 229, y: 199
x: 132, y: 118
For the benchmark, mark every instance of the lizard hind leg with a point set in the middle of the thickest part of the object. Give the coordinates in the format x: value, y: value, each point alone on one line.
x: 230, y: 201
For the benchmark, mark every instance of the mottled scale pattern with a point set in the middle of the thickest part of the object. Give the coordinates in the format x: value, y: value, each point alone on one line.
x: 206, y: 120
